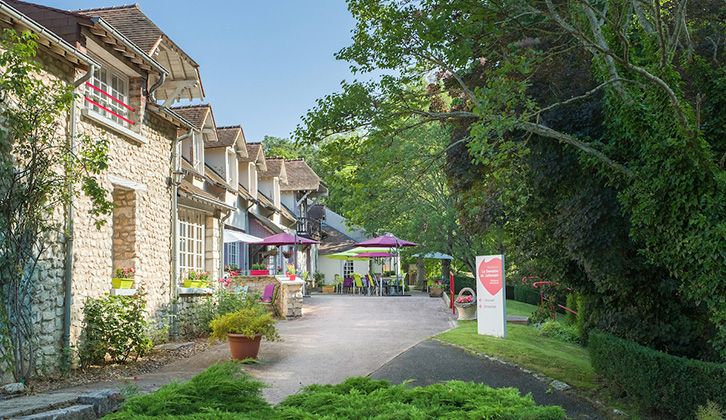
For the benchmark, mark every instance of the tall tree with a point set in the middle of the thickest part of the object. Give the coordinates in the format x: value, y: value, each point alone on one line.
x: 611, y: 106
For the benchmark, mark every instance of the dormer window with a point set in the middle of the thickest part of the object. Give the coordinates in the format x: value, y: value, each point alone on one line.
x: 197, y: 151
x: 107, y: 94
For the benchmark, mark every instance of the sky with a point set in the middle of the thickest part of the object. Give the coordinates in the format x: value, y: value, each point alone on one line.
x: 262, y: 63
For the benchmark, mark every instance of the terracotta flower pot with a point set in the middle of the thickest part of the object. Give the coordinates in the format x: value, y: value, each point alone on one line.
x: 243, y: 347
x: 122, y: 283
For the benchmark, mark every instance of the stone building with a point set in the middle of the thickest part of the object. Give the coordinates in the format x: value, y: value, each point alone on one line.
x: 117, y: 81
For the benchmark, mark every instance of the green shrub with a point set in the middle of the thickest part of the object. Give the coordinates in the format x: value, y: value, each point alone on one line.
x: 656, y: 380
x: 221, y: 388
x: 224, y: 392
x: 572, y: 302
x: 527, y: 294
x: 562, y: 332
x: 364, y: 398
x: 710, y: 411
x: 319, y: 278
x: 247, y: 321
x: 114, y: 326
x: 461, y: 282
x: 195, y: 322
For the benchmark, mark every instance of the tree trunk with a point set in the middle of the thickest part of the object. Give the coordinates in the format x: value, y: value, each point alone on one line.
x: 445, y: 269
x: 420, y: 273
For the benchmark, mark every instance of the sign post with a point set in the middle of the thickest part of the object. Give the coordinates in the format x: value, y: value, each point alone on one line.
x: 491, y: 309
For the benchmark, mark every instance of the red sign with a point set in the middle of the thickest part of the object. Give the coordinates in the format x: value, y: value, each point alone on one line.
x: 490, y: 275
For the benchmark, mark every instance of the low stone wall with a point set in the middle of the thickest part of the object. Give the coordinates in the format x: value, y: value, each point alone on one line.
x: 289, y: 296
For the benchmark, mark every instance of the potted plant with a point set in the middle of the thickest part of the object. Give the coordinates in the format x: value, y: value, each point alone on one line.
x: 290, y: 272
x: 259, y: 270
x: 123, y: 278
x: 244, y: 329
x: 288, y: 254
x: 197, y: 279
x: 436, y: 289
x: 272, y: 251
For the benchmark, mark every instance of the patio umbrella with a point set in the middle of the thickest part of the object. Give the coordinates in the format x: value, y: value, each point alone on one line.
x: 391, y: 242
x: 286, y: 239
x: 386, y: 241
x: 435, y: 255
x: 374, y: 255
x: 344, y: 256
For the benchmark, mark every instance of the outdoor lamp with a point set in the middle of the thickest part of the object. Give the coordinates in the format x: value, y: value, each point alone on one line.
x: 176, y: 177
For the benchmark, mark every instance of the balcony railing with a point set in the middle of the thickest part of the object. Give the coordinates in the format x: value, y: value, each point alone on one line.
x: 108, y: 103
x: 309, y: 228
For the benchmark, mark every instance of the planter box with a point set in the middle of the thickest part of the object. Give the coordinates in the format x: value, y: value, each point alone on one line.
x: 328, y: 289
x: 259, y: 272
x: 122, y: 283
x: 192, y: 284
x: 435, y: 291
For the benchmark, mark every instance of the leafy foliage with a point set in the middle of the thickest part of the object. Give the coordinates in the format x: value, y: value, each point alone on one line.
x: 584, y: 142
x: 222, y: 388
x: 247, y: 321
x: 114, y: 326
x: 670, y: 384
x: 224, y: 392
x: 363, y: 398
x: 38, y: 171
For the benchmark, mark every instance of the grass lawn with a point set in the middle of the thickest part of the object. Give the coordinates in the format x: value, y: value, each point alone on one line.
x: 525, y: 346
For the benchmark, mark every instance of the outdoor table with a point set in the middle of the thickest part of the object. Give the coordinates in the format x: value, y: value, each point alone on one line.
x: 390, y: 282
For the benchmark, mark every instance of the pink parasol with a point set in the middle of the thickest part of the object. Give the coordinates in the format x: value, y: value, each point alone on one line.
x: 385, y: 240
x: 285, y: 239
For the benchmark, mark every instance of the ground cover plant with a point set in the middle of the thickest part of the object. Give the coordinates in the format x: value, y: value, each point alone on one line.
x: 224, y: 392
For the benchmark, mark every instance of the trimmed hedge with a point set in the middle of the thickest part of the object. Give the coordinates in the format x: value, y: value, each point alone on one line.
x: 669, y: 384
x: 527, y: 294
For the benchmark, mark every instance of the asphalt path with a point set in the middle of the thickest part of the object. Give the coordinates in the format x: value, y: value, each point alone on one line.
x: 432, y: 362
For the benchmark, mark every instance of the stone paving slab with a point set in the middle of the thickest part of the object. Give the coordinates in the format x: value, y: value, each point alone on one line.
x: 25, y: 406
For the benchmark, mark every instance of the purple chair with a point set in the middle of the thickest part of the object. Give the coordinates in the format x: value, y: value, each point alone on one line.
x: 269, y: 294
x: 348, y: 283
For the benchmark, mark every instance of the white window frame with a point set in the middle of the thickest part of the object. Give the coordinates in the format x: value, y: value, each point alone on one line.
x: 348, y: 268
x: 197, y: 151
x: 233, y: 254
x: 192, y: 236
x: 104, y: 79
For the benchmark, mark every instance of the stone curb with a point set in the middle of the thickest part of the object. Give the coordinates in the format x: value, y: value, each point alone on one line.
x: 92, y: 406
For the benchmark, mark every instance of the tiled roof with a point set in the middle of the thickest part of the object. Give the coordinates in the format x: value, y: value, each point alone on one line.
x: 244, y: 193
x: 335, y: 242
x: 195, y: 114
x: 264, y: 201
x: 190, y: 188
x: 130, y: 21
x: 213, y: 176
x: 253, y: 149
x: 274, y: 167
x: 299, y: 176
x: 227, y: 136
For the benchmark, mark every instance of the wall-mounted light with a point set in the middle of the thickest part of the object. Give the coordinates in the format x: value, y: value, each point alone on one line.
x: 176, y: 177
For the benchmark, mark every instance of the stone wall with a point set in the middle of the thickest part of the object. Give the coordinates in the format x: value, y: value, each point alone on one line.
x: 137, y: 234
x: 289, y: 299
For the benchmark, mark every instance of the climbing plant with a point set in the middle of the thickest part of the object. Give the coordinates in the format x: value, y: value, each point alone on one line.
x: 37, y: 168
